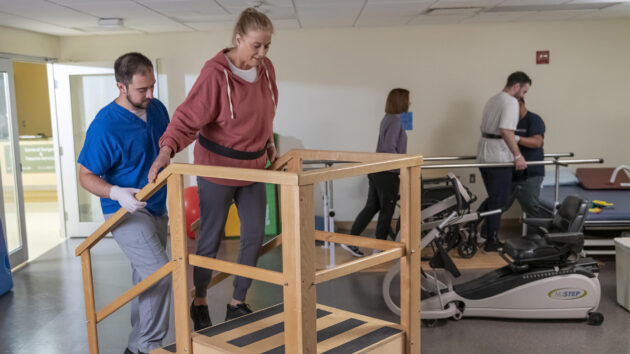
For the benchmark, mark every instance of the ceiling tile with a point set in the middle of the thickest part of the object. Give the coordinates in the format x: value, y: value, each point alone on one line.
x: 533, y: 2
x: 555, y: 15
x: 9, y: 20
x: 394, y: 9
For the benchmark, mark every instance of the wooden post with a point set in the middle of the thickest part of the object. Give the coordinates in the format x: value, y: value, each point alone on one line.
x: 179, y: 253
x: 410, y: 264
x: 298, y: 264
x: 88, y: 293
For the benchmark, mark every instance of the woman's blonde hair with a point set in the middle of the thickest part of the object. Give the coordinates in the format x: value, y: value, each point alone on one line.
x: 251, y: 20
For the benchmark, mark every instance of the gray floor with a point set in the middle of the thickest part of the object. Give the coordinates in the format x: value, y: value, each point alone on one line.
x: 44, y: 313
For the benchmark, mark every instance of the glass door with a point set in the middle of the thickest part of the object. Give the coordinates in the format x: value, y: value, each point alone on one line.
x: 80, y: 92
x: 12, y: 196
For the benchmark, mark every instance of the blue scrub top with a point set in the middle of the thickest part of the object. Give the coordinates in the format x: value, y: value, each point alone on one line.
x: 529, y: 126
x: 120, y: 148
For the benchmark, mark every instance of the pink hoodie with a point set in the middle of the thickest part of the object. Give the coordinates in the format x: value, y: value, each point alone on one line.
x: 229, y: 111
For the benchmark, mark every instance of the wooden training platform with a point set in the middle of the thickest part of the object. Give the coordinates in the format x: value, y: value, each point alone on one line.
x: 338, y: 332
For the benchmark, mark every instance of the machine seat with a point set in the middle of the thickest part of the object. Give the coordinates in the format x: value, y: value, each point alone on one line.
x: 530, y: 248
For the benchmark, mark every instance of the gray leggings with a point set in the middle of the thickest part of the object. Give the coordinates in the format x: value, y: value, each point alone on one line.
x: 214, y: 204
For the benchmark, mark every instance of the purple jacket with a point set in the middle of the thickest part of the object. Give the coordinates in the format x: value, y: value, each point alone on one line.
x: 392, y: 137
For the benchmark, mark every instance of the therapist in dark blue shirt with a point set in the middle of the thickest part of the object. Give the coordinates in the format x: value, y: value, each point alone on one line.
x: 120, y: 146
x: 530, y: 134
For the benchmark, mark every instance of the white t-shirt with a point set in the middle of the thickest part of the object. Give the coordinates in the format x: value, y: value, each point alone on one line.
x: 500, y: 112
x: 248, y: 75
x: 140, y: 113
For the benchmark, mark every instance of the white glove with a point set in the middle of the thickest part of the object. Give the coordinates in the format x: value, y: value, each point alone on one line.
x: 126, y: 198
x: 517, y: 138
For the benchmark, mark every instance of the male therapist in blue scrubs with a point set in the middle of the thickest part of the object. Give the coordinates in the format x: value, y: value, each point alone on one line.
x: 120, y: 146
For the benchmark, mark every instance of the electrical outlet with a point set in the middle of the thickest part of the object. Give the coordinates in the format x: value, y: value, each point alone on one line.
x: 472, y: 178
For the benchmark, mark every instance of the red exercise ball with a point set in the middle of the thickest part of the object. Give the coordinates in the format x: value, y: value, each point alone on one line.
x: 191, y: 205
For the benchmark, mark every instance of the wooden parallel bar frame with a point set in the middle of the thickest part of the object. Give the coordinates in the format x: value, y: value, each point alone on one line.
x: 135, y: 291
x: 358, y: 265
x: 358, y: 241
x: 179, y: 254
x: 256, y: 273
x: 299, y: 278
x: 88, y: 293
x: 410, y: 263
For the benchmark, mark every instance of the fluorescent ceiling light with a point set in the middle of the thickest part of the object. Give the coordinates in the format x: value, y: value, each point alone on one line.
x: 445, y: 11
x: 110, y: 22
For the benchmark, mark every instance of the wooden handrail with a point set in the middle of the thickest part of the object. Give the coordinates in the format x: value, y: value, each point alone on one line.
x: 333, y: 155
x: 239, y: 174
x: 279, y: 164
x: 357, y: 169
x: 145, y: 193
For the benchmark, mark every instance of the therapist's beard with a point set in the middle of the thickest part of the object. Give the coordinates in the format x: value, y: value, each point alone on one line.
x: 138, y: 105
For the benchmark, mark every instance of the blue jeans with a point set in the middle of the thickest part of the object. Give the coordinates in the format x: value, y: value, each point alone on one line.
x: 498, y: 183
x: 527, y: 192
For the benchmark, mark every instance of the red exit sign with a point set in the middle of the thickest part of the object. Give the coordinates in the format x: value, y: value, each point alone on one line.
x: 542, y: 57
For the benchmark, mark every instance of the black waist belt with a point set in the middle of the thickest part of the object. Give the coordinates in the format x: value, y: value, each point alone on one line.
x: 227, y: 152
x: 491, y: 136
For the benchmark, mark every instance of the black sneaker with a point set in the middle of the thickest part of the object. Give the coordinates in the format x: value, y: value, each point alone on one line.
x: 493, y: 246
x: 127, y: 351
x: 355, y: 251
x: 237, y: 311
x: 200, y: 316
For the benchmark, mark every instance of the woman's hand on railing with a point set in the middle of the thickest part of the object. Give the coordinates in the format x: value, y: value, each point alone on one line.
x: 163, y: 160
x: 272, y: 153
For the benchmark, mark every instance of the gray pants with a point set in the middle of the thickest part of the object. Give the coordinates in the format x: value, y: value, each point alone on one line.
x: 527, y: 192
x: 142, y: 237
x: 214, y: 205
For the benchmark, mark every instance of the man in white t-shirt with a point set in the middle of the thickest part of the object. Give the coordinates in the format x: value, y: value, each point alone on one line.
x: 499, y: 144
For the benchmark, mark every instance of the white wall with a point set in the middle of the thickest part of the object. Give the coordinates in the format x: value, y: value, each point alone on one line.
x: 333, y: 84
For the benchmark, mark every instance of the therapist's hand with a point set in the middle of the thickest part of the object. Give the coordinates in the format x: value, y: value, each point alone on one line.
x: 126, y: 198
x: 519, y: 163
x: 163, y: 160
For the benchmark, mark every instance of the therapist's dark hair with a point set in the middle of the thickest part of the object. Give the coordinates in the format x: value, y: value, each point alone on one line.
x: 130, y: 64
x: 397, y: 101
x: 518, y: 77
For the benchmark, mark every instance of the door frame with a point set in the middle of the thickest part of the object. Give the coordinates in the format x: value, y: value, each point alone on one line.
x: 19, y: 255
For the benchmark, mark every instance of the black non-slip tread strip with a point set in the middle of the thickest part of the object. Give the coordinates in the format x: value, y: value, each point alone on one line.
x: 171, y: 348
x: 241, y: 321
x: 237, y: 322
x: 327, y: 333
x: 364, y: 341
x: 266, y: 332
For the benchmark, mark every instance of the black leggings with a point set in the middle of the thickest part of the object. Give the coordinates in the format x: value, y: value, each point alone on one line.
x: 382, y: 197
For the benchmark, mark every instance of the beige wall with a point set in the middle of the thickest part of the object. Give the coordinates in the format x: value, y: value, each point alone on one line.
x: 17, y: 41
x: 333, y: 84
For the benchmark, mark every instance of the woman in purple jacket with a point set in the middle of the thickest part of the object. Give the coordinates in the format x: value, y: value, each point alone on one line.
x: 384, y: 186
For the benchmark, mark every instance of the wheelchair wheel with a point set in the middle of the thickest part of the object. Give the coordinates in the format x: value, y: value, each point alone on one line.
x: 467, y: 248
x: 391, y: 289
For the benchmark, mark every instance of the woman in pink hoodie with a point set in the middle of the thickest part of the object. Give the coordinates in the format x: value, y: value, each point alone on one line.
x: 230, y: 111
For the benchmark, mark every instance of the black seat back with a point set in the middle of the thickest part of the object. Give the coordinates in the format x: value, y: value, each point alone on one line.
x: 570, y: 216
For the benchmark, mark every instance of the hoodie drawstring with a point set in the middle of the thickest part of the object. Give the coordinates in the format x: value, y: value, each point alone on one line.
x: 273, y: 97
x: 229, y: 93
